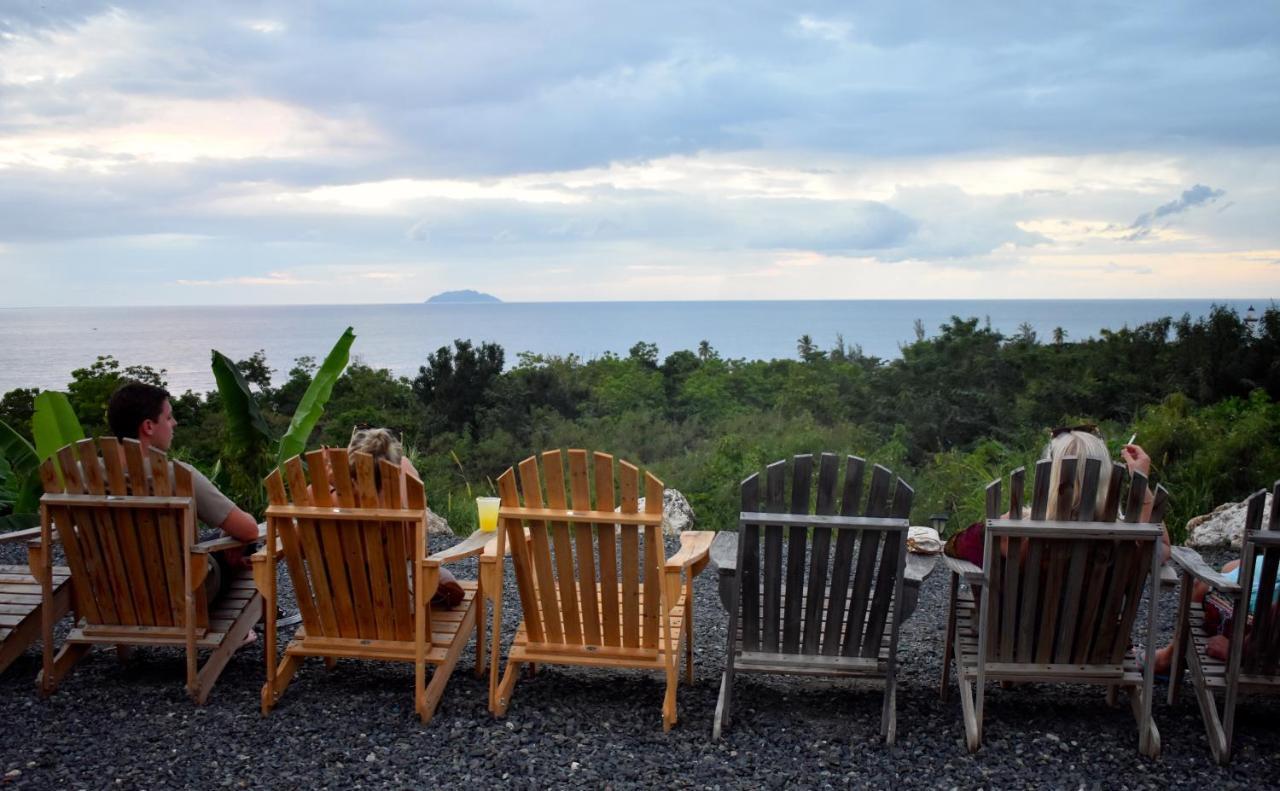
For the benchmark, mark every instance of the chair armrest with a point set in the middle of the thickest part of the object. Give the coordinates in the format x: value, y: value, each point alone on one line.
x: 473, y: 544
x: 1190, y: 561
x: 695, y: 546
x: 261, y: 555
x: 724, y: 551
x: 967, y: 571
x: 20, y: 535
x: 226, y: 542
x: 919, y: 567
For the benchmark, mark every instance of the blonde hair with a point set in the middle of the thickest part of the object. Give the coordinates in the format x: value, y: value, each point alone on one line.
x: 1081, y: 445
x: 379, y: 443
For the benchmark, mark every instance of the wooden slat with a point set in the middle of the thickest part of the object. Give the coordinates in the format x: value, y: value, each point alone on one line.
x: 401, y: 542
x: 580, y: 496
x: 293, y: 559
x: 1266, y: 642
x: 749, y: 566
x: 1066, y: 488
x: 1089, y: 489
x: 165, y: 541
x: 1076, y: 573
x: 383, y: 546
x: 566, y: 578
x: 895, y: 545
x: 629, y: 491
x: 1040, y: 491
x: 516, y: 544
x: 771, y: 578
x: 1051, y: 603
x: 1137, y: 498
x: 828, y: 470
x: 1097, y: 566
x: 351, y: 540
x: 994, y: 562
x: 607, y: 537
x: 414, y: 496
x: 1017, y: 485
x: 540, y: 554
x: 1136, y: 574
x: 120, y: 541
x: 1031, y: 603
x: 654, y: 556
x: 797, y: 545
x: 868, y: 549
x: 92, y: 548
x: 148, y: 543
x: 1109, y: 611
x: 1010, y: 593
x: 842, y: 564
x: 310, y: 538
x: 1111, y: 507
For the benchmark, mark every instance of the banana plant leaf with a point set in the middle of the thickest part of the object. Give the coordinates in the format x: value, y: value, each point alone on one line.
x: 54, y: 424
x: 311, y: 407
x: 24, y: 470
x: 12, y: 522
x: 246, y: 427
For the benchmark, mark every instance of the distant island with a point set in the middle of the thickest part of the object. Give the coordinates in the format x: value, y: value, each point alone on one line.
x: 465, y: 295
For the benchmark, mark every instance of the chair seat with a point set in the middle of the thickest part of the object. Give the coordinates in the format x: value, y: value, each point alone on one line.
x: 223, y: 614
x: 600, y: 654
x: 1215, y: 670
x: 447, y: 626
x: 20, y: 608
x: 1127, y: 673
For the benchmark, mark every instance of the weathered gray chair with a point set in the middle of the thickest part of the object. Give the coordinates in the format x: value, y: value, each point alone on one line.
x: 810, y: 609
x: 1253, y: 662
x: 1058, y: 597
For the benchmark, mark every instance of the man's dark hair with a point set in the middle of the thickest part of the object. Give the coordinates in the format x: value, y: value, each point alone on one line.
x: 132, y: 403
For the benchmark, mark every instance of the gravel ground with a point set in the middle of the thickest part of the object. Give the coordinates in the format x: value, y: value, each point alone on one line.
x: 133, y: 726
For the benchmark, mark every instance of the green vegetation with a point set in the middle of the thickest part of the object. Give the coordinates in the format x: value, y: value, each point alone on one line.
x: 957, y: 410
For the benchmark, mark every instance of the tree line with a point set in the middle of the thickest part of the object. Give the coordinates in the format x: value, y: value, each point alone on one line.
x: 956, y: 410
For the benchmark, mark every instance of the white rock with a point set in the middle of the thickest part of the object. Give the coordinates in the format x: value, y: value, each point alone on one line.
x: 677, y: 514
x: 1222, y: 527
x: 437, y: 525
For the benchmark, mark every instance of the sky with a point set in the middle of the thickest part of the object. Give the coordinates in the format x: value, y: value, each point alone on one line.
x: 158, y: 153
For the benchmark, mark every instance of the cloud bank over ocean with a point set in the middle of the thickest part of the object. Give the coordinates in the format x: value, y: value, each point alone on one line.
x: 250, y: 153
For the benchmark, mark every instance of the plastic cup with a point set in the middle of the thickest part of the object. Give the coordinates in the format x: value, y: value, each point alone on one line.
x: 487, y: 510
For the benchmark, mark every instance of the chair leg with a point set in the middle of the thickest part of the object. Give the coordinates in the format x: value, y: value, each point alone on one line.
x: 945, y: 690
x: 481, y: 624
x: 430, y: 698
x: 57, y: 667
x: 330, y: 663
x: 1181, y: 629
x: 217, y: 661
x: 724, y: 706
x: 669, y: 716
x: 889, y: 714
x: 284, y: 674
x: 688, y: 632
x: 502, y: 696
x: 1148, y: 740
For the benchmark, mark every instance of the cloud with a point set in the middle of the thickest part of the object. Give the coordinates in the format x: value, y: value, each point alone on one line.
x: 270, y: 279
x: 1196, y: 196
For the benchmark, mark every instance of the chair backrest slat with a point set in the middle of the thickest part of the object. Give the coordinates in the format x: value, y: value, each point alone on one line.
x: 607, y: 536
x: 566, y: 578
x: 588, y: 592
x: 771, y: 574
x: 629, y: 499
x: 797, y: 544
x: 1262, y: 644
x: 816, y: 593
x: 868, y: 549
x: 842, y: 563
x: 749, y: 565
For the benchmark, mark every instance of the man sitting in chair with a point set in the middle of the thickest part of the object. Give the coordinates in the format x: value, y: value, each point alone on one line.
x: 143, y: 412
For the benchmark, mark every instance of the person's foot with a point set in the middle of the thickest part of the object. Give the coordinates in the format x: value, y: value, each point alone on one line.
x: 1218, y: 646
x: 1163, y: 660
x: 284, y: 618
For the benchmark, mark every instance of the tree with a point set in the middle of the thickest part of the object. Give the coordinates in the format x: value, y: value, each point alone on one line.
x: 17, y: 407
x: 456, y: 386
x: 919, y: 328
x: 1059, y: 336
x: 705, y: 352
x: 808, y: 350
x: 90, y: 389
x: 645, y: 352
x: 256, y: 371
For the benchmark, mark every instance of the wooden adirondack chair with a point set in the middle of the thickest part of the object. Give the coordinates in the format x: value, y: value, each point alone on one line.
x: 1253, y: 662
x: 813, y: 613
x: 358, y: 561
x: 617, y: 602
x: 128, y: 527
x: 21, y: 609
x: 1058, y: 596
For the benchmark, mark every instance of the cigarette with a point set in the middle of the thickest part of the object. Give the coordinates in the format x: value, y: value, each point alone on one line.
x: 1132, y: 438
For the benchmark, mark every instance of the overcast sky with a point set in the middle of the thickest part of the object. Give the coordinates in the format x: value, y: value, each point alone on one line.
x: 209, y: 153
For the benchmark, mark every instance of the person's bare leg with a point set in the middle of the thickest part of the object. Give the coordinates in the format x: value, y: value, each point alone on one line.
x: 1164, y: 657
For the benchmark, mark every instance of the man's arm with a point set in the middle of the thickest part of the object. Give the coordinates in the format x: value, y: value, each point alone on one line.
x: 239, y: 524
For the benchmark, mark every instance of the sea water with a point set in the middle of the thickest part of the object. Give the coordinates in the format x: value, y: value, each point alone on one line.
x: 39, y: 347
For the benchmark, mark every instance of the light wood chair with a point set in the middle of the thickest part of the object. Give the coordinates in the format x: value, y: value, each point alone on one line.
x: 128, y: 526
x: 812, y: 612
x: 357, y: 558
x: 1059, y: 596
x: 1253, y: 660
x: 595, y: 585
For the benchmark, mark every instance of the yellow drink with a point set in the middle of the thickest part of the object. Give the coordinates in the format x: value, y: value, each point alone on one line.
x: 487, y: 510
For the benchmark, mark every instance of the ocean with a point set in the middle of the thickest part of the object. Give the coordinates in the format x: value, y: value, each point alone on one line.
x: 39, y: 347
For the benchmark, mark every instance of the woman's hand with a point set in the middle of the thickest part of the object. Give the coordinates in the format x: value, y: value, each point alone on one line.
x: 1136, y: 459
